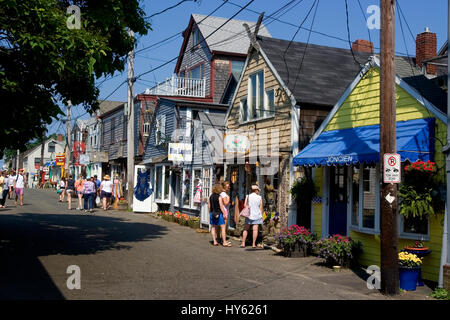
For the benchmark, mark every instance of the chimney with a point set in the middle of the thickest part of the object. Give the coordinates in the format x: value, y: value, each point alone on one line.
x: 362, y: 45
x: 60, y: 137
x: 426, y: 48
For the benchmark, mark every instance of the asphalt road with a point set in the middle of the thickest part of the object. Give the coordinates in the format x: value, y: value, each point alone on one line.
x: 123, y: 255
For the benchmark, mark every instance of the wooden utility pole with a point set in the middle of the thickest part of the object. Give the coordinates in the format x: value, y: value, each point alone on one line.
x: 42, y: 157
x: 68, y: 138
x: 130, y: 135
x: 389, y: 233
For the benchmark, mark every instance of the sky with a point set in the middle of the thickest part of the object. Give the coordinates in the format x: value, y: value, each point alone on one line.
x: 330, y: 22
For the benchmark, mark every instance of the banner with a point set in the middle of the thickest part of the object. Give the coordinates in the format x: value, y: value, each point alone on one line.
x: 180, y: 152
x: 60, y: 159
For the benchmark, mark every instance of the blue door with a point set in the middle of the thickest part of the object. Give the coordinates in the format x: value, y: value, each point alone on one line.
x: 338, y: 200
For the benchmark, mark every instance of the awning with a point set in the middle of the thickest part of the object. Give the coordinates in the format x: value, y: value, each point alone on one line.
x: 415, y: 141
x: 50, y: 164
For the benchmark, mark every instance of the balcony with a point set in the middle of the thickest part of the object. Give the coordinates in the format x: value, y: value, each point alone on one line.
x: 176, y: 86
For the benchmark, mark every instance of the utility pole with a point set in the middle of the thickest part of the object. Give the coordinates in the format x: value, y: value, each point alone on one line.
x: 68, y: 137
x: 130, y: 135
x: 389, y: 234
x: 42, y: 157
x: 17, y: 160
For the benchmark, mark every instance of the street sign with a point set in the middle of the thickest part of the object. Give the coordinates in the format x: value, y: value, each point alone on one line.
x: 391, y: 168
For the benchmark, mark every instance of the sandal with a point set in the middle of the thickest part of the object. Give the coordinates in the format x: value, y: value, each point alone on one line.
x: 241, y: 246
x: 215, y: 244
x: 227, y: 244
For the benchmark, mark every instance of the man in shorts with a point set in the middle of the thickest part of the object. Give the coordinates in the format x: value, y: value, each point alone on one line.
x: 19, y: 186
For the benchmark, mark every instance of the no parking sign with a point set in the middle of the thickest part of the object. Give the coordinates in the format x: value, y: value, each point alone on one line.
x: 391, y: 168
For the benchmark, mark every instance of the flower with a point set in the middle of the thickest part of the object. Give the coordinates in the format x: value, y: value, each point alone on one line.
x: 409, y: 260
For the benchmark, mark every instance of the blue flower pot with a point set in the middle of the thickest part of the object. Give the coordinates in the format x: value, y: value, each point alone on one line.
x: 408, y: 278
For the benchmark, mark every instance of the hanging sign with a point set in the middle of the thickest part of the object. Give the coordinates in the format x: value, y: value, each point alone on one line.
x: 391, y: 168
x: 236, y: 143
x: 180, y: 152
x: 60, y: 159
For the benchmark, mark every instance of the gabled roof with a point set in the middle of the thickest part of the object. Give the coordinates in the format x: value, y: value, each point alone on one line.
x: 231, y: 38
x: 108, y: 105
x: 325, y: 72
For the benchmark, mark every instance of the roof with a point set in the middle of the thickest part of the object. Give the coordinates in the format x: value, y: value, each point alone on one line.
x: 324, y: 75
x: 198, y: 104
x: 212, y: 120
x: 108, y: 105
x: 232, y: 37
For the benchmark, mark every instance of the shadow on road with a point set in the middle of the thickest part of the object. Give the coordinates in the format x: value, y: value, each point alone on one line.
x: 25, y: 237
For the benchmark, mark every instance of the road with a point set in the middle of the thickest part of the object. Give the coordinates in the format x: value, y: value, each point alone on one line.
x: 122, y: 255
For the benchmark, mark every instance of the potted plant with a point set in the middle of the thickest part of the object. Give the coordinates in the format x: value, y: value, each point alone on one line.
x: 409, y: 268
x: 420, y: 196
x: 194, y: 222
x: 338, y: 250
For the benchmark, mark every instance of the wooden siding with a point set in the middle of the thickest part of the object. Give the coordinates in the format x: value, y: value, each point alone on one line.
x: 282, y: 118
x: 114, y: 141
x: 361, y: 108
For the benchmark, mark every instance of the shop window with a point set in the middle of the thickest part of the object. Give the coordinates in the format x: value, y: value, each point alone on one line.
x: 166, y: 183
x: 158, y: 183
x: 197, y: 179
x: 369, y: 198
x: 355, y: 197
x: 187, y: 188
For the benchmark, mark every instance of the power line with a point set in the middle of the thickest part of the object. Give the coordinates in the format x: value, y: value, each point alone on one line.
x: 168, y: 8
x: 364, y: 16
x: 348, y: 35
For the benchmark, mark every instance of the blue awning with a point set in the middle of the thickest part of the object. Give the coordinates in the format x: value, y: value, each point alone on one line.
x: 50, y: 164
x: 415, y: 141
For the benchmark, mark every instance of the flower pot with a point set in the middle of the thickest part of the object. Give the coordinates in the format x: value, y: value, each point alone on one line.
x: 408, y: 278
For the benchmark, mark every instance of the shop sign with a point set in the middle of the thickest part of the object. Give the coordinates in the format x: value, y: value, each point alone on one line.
x: 391, y: 168
x: 60, y: 159
x: 180, y: 152
x: 84, y: 159
x: 340, y: 159
x: 236, y: 143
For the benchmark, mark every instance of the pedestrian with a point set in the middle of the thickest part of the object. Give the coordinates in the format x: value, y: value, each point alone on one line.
x: 97, y: 187
x: 79, y: 189
x: 117, y: 191
x: 216, y: 209
x: 11, y: 177
x: 70, y: 189
x: 106, y: 187
x: 62, y: 189
x: 88, y: 194
x: 5, y: 189
x: 226, y: 201
x: 2, y: 187
x: 255, y: 204
x: 19, y: 186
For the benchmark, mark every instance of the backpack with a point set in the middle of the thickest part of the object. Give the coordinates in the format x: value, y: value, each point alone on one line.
x: 215, y: 205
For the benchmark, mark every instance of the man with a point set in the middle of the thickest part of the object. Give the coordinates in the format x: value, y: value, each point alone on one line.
x: 19, y: 186
x: 11, y: 177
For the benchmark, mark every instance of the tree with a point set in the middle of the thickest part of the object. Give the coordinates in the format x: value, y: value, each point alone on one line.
x: 43, y: 62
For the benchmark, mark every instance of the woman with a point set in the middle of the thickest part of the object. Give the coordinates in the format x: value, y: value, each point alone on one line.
x: 79, y: 188
x: 70, y: 189
x: 106, y: 187
x: 254, y: 201
x: 217, y: 209
x: 89, y: 194
x: 226, y: 201
x: 117, y: 191
x: 2, y: 186
x: 62, y: 188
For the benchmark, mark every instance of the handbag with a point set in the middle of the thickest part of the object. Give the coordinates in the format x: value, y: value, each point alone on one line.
x: 245, y: 212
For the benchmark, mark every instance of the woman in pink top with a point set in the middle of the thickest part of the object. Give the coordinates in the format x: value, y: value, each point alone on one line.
x: 79, y: 188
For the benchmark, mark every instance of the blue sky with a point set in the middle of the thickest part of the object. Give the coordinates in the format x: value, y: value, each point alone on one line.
x: 330, y: 19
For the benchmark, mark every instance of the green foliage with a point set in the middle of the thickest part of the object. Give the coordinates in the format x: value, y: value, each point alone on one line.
x: 415, y: 204
x: 303, y: 190
x: 44, y: 63
x: 441, y: 294
x: 338, y: 250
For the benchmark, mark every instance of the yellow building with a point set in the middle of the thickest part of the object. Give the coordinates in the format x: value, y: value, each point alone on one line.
x: 344, y: 152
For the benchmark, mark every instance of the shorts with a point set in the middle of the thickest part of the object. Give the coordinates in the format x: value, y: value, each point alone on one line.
x: 105, y: 194
x: 255, y: 221
x: 79, y: 192
x: 69, y: 191
x: 19, y: 191
x: 216, y: 221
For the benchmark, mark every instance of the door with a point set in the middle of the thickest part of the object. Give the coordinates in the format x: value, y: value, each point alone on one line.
x: 338, y: 200
x: 143, y: 202
x: 206, y: 191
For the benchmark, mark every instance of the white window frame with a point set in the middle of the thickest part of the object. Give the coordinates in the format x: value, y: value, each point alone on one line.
x: 163, y: 199
x: 191, y: 201
x: 160, y: 126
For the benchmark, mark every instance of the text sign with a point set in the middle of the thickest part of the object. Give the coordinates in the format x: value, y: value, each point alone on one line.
x: 180, y: 152
x: 391, y: 171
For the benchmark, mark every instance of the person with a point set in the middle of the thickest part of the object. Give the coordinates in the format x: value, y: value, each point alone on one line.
x: 106, y: 187
x: 5, y: 189
x: 11, y: 177
x: 117, y: 191
x: 255, y: 203
x: 62, y: 188
x: 19, y: 186
x: 97, y: 187
x: 226, y: 201
x: 215, y: 205
x: 89, y: 194
x: 2, y: 186
x: 70, y: 189
x: 79, y: 189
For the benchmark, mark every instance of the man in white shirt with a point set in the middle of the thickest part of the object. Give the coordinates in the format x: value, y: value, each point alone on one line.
x: 19, y: 186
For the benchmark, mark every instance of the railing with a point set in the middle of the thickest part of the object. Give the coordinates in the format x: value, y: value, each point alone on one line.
x: 176, y: 86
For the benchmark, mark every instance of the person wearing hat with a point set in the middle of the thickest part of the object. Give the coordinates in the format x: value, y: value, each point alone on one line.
x: 11, y: 178
x: 89, y: 194
x: 106, y: 187
x: 255, y: 204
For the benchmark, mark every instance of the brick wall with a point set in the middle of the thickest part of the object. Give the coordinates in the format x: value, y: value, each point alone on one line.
x: 362, y: 45
x: 426, y: 48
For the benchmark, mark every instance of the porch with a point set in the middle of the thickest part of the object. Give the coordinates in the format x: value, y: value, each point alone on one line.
x: 180, y: 86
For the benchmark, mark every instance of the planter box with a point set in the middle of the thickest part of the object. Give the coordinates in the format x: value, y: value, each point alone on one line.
x: 122, y: 206
x: 194, y: 225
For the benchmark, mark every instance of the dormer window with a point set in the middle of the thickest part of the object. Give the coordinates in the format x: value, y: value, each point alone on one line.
x: 146, y: 129
x: 195, y: 37
x: 260, y: 103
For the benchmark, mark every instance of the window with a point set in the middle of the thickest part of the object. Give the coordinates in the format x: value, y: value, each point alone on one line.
x: 355, y: 197
x: 366, y: 180
x: 197, y: 180
x: 206, y: 187
x: 187, y: 188
x: 244, y: 110
x: 269, y: 105
x: 125, y: 127
x: 158, y: 183
x: 95, y: 140
x: 166, y: 182
x: 146, y: 129
x: 197, y: 72
x: 369, y: 198
x: 113, y: 129
x: 160, y: 130
x: 162, y: 183
x: 51, y: 147
x: 415, y: 225
x: 259, y: 103
x: 195, y: 37
x: 237, y: 66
